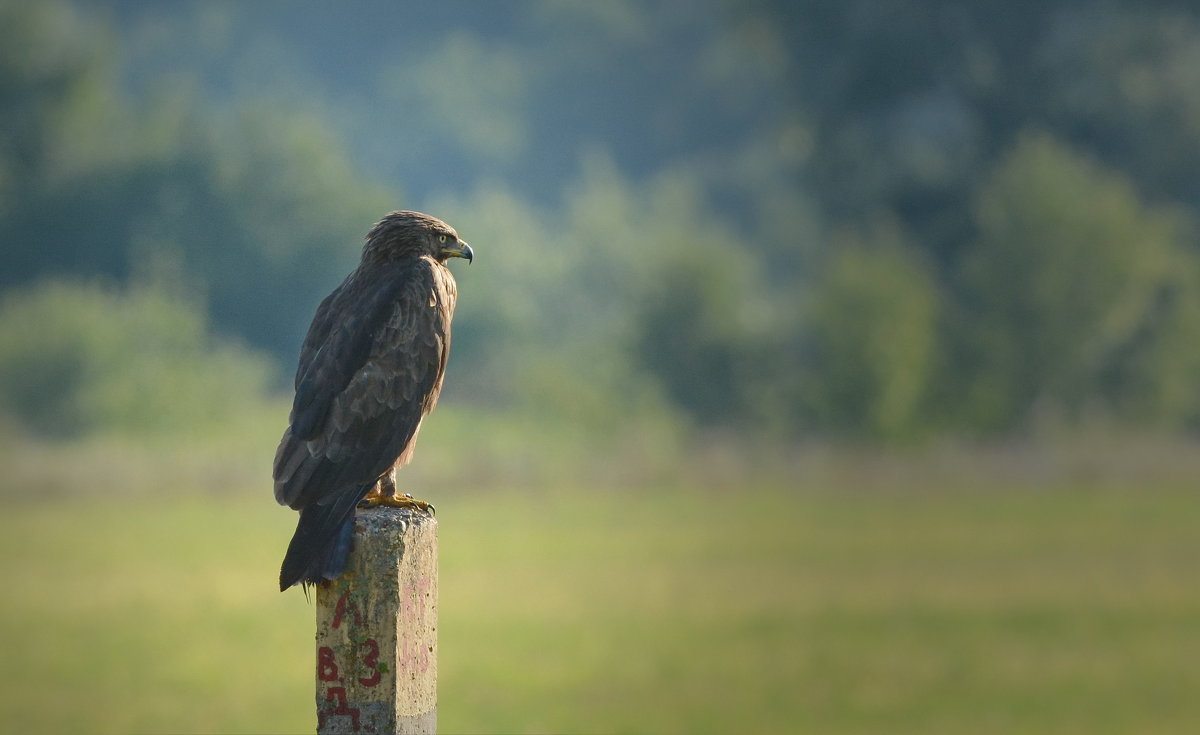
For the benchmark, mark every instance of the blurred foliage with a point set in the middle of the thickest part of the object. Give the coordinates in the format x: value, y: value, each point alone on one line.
x: 1071, y: 269
x: 793, y: 219
x: 246, y: 199
x: 871, y: 339
x: 76, y: 359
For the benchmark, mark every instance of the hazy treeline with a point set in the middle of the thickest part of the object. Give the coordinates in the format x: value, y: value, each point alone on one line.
x: 882, y: 221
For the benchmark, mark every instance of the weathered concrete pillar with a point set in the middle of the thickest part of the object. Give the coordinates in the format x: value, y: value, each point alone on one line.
x: 377, y: 629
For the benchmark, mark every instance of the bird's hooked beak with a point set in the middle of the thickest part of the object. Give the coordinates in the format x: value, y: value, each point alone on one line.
x: 459, y: 249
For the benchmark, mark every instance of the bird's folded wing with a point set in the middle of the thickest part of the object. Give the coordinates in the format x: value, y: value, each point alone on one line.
x: 375, y: 362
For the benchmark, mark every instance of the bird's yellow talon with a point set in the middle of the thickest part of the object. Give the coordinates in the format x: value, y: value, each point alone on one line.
x: 395, y: 500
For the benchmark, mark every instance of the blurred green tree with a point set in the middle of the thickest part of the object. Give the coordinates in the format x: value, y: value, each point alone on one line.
x: 1151, y: 379
x: 246, y: 197
x: 79, y: 358
x: 871, y: 339
x: 56, y: 75
x: 1069, y: 268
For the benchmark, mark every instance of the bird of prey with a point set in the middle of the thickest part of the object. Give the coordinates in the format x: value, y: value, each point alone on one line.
x: 371, y: 368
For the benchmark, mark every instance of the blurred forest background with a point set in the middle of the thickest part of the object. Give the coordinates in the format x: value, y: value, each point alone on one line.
x: 793, y: 219
x: 782, y: 249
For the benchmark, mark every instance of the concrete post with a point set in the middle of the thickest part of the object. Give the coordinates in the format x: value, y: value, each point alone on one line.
x: 377, y: 629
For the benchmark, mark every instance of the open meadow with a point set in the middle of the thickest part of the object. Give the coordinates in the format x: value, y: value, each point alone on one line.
x: 848, y: 605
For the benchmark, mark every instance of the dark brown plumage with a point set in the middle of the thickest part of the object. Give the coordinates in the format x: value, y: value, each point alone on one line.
x: 371, y: 368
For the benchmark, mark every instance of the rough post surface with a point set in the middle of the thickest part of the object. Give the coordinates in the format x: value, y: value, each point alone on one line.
x: 377, y: 629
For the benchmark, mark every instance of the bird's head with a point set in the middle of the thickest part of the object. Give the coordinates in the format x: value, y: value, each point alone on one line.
x: 401, y: 234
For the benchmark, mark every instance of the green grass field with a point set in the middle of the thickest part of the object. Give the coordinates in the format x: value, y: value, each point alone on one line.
x: 1069, y: 609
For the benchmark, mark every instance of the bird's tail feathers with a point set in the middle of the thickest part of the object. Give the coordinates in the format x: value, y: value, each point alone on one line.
x: 321, y: 545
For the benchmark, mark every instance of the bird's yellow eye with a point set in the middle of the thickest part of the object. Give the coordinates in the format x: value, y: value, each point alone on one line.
x: 442, y: 238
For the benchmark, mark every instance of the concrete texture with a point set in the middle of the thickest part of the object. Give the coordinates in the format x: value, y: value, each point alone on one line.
x: 377, y: 629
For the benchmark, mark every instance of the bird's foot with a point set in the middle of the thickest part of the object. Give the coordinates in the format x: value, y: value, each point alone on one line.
x: 395, y: 500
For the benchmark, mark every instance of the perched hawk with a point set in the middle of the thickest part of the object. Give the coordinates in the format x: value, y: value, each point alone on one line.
x: 370, y: 369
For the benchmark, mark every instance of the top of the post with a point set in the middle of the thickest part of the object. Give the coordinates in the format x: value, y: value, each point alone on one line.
x: 384, y: 519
